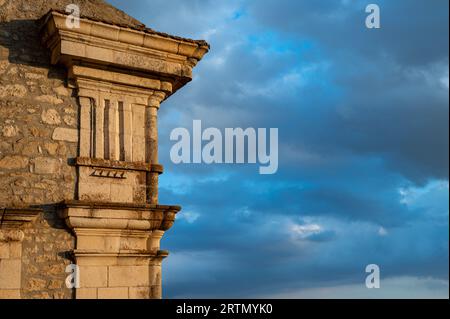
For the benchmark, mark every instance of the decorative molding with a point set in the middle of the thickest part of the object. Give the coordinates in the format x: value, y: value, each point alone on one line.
x: 108, y: 173
x: 17, y: 217
x: 118, y: 216
x: 121, y: 47
x: 117, y: 206
x: 121, y: 77
x: 118, y: 165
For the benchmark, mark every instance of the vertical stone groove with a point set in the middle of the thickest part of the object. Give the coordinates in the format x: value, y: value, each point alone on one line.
x: 121, y: 132
x: 106, y: 129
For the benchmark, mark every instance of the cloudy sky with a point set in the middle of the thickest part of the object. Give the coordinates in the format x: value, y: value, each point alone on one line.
x: 363, y: 119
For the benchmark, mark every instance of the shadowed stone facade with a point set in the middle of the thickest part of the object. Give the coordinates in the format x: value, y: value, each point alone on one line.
x: 79, y: 162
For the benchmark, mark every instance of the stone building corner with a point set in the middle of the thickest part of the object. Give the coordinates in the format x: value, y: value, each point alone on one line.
x: 79, y: 166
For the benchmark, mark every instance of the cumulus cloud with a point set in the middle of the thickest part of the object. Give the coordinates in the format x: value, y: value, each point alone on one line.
x: 190, y: 217
x: 305, y: 231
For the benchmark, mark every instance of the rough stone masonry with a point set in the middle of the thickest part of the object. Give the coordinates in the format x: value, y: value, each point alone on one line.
x: 79, y: 149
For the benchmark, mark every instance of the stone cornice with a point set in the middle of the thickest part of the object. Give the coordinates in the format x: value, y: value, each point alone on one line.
x: 17, y: 217
x: 111, y: 216
x: 117, y: 206
x: 99, y: 43
x: 133, y: 166
x: 140, y: 27
x: 100, y: 253
x: 115, y: 81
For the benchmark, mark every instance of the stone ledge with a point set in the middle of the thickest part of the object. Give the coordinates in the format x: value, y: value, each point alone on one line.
x: 117, y: 47
x: 141, y: 27
x: 119, y: 80
x: 17, y: 217
x: 131, y: 166
x: 114, y: 216
x: 100, y: 253
x: 118, y: 206
x: 65, y: 134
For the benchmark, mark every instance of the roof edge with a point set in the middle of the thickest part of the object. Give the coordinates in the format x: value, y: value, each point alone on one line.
x: 42, y: 21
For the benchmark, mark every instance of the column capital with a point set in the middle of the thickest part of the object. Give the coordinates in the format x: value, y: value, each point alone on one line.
x: 156, y: 99
x: 11, y: 235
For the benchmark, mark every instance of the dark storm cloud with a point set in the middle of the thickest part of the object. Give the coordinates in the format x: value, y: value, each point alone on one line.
x: 394, y: 104
x: 413, y: 32
x: 363, y: 121
x: 384, y: 104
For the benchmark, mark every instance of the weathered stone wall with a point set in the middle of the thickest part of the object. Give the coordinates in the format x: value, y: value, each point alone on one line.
x: 38, y: 122
x: 95, y: 148
x: 45, y: 255
x: 38, y: 138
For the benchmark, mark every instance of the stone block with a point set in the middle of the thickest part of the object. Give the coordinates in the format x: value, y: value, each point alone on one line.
x: 4, y: 250
x: 46, y: 165
x: 121, y: 193
x: 155, y: 275
x: 14, y: 90
x: 36, y: 284
x: 51, y: 148
x: 98, y: 53
x: 86, y: 293
x: 73, y: 48
x: 90, y: 242
x: 133, y: 261
x: 96, y: 261
x: 13, y: 162
x: 49, y: 99
x: 113, y: 293
x: 112, y: 243
x: 10, y: 271
x: 93, y: 277
x: 10, y: 131
x: 70, y: 120
x: 95, y: 191
x: 139, y: 293
x: 156, y: 292
x: 65, y: 134
x: 128, y: 276
x: 51, y: 117
x: 160, y: 44
x: 133, y: 243
x: 132, y: 37
x: 9, y: 294
x: 55, y: 284
x: 105, y: 32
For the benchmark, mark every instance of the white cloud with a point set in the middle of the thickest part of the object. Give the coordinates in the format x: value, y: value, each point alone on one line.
x: 190, y: 217
x: 287, y: 83
x: 304, y: 231
x: 414, y: 195
x: 382, y: 232
x: 435, y: 75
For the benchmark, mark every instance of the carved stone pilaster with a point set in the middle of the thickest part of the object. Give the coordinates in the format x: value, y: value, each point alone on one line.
x: 118, y: 247
x: 12, y: 223
x: 121, y: 77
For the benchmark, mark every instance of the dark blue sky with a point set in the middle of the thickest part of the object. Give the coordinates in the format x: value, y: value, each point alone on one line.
x: 364, y: 150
